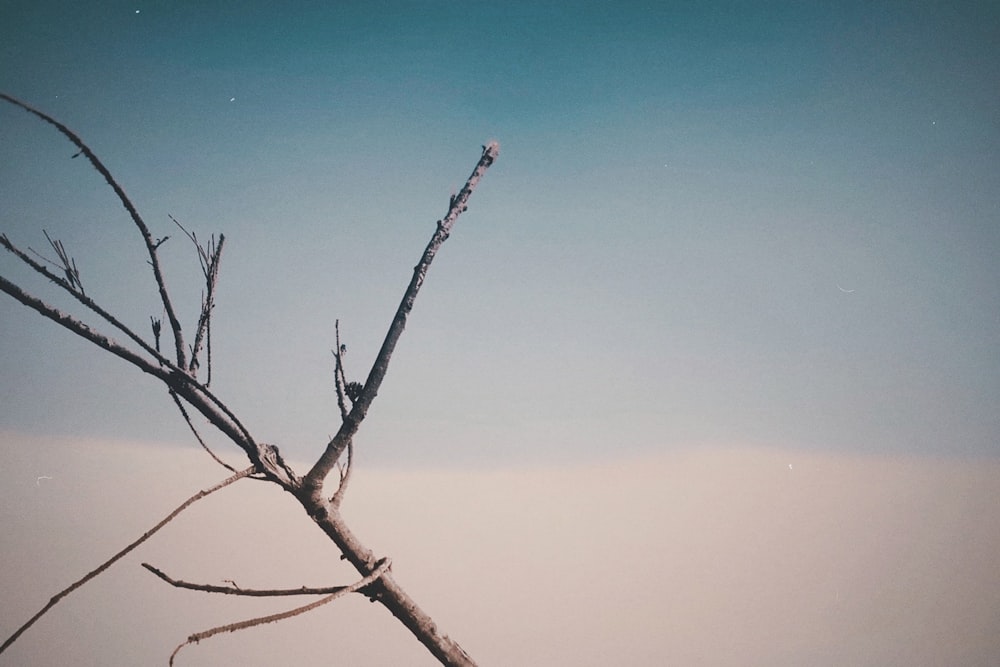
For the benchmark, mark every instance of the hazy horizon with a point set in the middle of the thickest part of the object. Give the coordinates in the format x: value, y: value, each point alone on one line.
x: 736, y: 555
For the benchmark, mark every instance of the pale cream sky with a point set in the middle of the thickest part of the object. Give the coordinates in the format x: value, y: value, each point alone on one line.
x: 714, y: 555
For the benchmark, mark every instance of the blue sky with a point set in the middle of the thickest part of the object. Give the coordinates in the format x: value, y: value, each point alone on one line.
x: 771, y: 223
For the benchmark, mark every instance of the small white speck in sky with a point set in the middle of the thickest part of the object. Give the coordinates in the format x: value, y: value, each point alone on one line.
x: 789, y: 466
x: 137, y: 11
x: 845, y: 291
x: 40, y: 478
x: 232, y: 99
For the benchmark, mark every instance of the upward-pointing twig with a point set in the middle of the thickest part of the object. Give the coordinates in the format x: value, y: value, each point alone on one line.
x: 68, y: 264
x: 209, y: 257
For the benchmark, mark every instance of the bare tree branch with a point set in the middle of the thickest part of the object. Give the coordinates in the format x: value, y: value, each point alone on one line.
x: 147, y: 237
x: 313, y: 481
x: 181, y: 381
x: 382, y: 567
x: 249, y: 592
x: 118, y: 556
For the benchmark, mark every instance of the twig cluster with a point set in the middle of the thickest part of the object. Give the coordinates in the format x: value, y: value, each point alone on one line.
x: 66, y: 263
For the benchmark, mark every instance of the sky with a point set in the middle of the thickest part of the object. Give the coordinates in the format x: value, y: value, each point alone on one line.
x: 757, y: 221
x: 712, y: 226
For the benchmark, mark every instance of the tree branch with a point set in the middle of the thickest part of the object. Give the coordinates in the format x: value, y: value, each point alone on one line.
x: 313, y: 480
x: 118, y: 556
x: 249, y: 592
x: 379, y: 571
x: 68, y: 263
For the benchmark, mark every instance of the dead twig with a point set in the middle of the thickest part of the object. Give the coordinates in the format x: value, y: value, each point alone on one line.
x: 66, y: 263
x: 345, y: 391
x: 339, y: 380
x: 187, y: 418
x: 118, y: 556
x: 209, y: 257
x: 382, y: 566
x: 345, y: 476
x: 233, y: 589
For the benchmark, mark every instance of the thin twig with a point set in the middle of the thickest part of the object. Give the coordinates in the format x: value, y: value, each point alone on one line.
x: 111, y: 561
x: 155, y: 323
x: 203, y: 331
x: 383, y: 565
x: 208, y: 350
x: 68, y: 263
x: 345, y: 476
x: 339, y: 381
x: 187, y: 418
x: 235, y: 590
x: 209, y: 257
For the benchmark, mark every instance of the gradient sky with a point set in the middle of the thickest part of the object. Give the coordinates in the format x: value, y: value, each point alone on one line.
x: 708, y: 371
x: 710, y: 222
